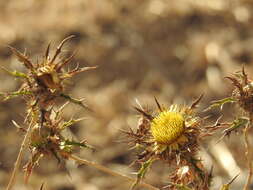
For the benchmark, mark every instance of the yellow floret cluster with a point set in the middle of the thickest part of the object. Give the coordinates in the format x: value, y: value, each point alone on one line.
x: 167, y: 127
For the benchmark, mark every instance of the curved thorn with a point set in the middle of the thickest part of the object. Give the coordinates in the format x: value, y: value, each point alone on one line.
x: 58, y: 50
x: 47, y: 51
x: 158, y: 105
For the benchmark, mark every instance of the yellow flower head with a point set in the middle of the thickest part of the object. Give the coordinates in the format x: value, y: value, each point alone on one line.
x: 167, y: 127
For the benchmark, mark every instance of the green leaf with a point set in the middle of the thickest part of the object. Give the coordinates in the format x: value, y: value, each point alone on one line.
x: 67, y: 144
x: 75, y: 101
x: 142, y: 172
x: 15, y: 73
x: 220, y: 103
x: 15, y: 94
x: 237, y: 123
x: 70, y: 122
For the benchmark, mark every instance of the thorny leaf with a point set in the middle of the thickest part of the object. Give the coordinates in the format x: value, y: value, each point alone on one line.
x: 75, y: 101
x: 15, y: 73
x: 76, y: 71
x: 59, y: 111
x: 220, y: 103
x: 141, y: 173
x: 237, y: 84
x: 236, y: 124
x: 70, y: 122
x: 22, y: 58
x: 227, y: 186
x: 14, y: 94
x: 79, y: 144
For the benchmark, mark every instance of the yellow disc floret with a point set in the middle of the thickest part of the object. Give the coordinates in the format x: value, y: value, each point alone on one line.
x: 167, y: 127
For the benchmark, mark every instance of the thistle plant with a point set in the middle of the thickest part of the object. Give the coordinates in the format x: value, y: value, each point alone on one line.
x: 172, y: 135
x: 242, y: 97
x: 41, y: 86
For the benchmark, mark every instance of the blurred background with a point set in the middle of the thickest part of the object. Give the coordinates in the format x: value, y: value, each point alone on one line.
x: 174, y: 50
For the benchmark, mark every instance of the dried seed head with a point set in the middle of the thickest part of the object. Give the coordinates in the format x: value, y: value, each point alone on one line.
x: 243, y: 92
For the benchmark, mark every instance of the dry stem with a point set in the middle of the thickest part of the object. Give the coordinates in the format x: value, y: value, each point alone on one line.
x: 109, y: 171
x: 20, y: 154
x: 248, y: 155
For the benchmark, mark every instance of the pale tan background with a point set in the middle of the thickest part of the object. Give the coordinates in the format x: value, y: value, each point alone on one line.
x: 172, y: 49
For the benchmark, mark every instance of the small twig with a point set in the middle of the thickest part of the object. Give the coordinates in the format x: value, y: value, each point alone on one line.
x: 109, y: 171
x: 20, y: 154
x: 248, y: 155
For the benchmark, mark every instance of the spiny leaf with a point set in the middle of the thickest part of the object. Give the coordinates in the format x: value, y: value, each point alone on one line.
x: 220, y: 103
x: 237, y: 84
x: 70, y: 122
x: 142, y: 172
x: 79, y: 144
x: 237, y: 123
x: 76, y: 71
x: 75, y: 101
x: 14, y: 94
x: 22, y: 58
x: 15, y: 73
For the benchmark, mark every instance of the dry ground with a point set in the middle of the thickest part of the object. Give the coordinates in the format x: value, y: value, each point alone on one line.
x: 172, y: 49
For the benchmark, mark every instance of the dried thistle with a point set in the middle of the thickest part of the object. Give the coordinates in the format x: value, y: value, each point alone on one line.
x: 41, y: 86
x: 173, y: 136
x: 242, y: 96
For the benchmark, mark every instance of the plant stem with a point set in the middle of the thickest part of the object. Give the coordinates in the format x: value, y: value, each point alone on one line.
x: 109, y: 171
x: 248, y: 155
x: 20, y: 154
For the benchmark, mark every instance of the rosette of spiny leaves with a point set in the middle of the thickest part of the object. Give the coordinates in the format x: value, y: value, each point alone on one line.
x: 41, y: 85
x: 171, y: 135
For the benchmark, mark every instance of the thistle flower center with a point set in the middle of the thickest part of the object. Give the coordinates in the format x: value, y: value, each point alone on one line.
x: 167, y: 127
